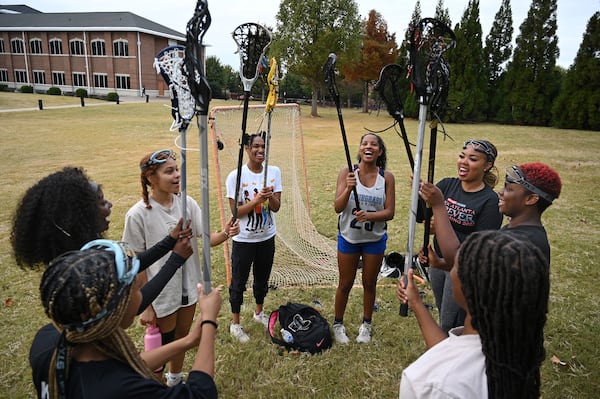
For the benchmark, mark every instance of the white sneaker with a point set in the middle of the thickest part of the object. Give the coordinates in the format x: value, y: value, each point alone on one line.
x: 339, y: 332
x: 174, y: 379
x: 364, y: 333
x: 262, y: 318
x: 237, y: 331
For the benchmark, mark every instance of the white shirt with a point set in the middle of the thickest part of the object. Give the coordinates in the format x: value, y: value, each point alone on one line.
x: 453, y: 368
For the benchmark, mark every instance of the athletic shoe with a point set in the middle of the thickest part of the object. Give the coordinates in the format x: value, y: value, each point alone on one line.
x: 237, y: 331
x: 174, y: 379
x: 262, y: 318
x: 364, y: 333
x: 339, y: 332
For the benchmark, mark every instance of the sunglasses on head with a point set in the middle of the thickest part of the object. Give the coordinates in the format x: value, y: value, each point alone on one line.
x: 483, y: 147
x: 158, y: 157
x: 516, y: 176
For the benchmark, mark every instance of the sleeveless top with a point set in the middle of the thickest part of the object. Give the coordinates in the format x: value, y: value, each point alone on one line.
x: 370, y: 199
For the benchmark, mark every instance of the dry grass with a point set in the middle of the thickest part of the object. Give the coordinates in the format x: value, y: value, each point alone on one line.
x: 109, y: 140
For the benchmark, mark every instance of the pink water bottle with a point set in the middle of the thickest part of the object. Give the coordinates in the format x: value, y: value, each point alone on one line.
x: 152, y: 339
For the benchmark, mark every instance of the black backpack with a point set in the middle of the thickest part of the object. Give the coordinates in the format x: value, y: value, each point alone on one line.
x: 308, y: 329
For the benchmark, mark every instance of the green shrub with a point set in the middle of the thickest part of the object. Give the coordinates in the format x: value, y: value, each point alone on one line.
x: 54, y: 91
x: 26, y: 89
x: 81, y: 92
x: 112, y: 96
x: 3, y: 87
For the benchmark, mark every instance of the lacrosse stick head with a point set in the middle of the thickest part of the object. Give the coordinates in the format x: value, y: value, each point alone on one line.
x: 273, y: 80
x: 439, y: 77
x: 169, y: 63
x: 388, y: 88
x: 194, y: 60
x: 429, y: 39
x: 252, y: 41
x: 329, y: 74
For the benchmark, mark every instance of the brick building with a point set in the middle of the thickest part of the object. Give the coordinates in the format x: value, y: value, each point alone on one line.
x: 101, y: 52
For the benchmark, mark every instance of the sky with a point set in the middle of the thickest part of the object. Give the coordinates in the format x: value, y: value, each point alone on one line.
x: 226, y: 15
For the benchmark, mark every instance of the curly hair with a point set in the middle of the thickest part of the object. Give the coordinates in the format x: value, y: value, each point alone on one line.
x: 57, y: 214
x: 506, y: 283
x: 543, y: 177
x: 79, y: 286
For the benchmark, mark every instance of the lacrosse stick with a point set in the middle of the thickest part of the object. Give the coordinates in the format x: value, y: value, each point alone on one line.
x: 329, y: 72
x: 252, y: 41
x: 429, y: 39
x: 273, y: 80
x: 193, y: 69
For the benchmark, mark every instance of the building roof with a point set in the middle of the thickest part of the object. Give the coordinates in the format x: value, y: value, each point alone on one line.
x: 85, y: 21
x: 17, y: 9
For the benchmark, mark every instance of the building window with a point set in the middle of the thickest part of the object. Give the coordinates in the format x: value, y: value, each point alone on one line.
x: 20, y: 76
x: 56, y: 46
x: 3, y: 75
x: 78, y: 79
x: 58, y: 78
x: 76, y: 47
x: 100, y: 80
x: 2, y: 46
x: 98, y: 47
x: 123, y: 82
x: 39, y: 77
x: 35, y: 46
x: 120, y: 48
x: 16, y: 46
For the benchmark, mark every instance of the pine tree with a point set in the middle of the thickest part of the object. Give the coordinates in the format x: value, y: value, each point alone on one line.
x: 497, y: 52
x: 578, y: 104
x: 411, y: 108
x: 468, y: 83
x: 532, y: 81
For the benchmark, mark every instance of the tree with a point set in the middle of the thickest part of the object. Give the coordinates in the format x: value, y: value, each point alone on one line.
x: 578, y: 104
x: 308, y: 31
x: 379, y: 49
x: 410, y: 105
x: 215, y: 75
x: 532, y: 81
x: 468, y: 82
x: 497, y: 52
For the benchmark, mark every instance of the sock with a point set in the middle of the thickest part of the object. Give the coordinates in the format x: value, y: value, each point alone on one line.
x: 366, y: 321
x: 338, y: 321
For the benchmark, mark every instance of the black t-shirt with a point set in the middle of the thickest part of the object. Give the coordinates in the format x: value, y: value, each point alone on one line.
x: 108, y: 378
x: 535, y: 234
x: 469, y: 211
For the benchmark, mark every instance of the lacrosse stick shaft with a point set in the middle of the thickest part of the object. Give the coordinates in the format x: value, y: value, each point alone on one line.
x: 273, y: 80
x: 267, y: 142
x: 183, y: 167
x: 414, y: 200
x: 203, y: 131
x: 430, y: 173
x: 238, y: 178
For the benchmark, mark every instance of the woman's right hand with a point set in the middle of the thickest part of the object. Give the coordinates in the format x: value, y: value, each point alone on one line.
x: 410, y: 293
x: 183, y: 247
x: 148, y: 317
x: 209, y: 304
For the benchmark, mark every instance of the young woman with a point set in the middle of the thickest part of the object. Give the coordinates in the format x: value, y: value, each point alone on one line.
x: 472, y: 205
x: 145, y: 223
x: 254, y: 247
x: 362, y: 232
x: 65, y: 209
x: 92, y: 296
x: 528, y: 191
x: 502, y: 283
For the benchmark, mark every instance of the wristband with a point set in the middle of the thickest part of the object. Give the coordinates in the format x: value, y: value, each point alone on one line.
x: 211, y: 322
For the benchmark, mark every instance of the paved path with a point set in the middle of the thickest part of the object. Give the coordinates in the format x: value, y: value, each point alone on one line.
x: 124, y: 100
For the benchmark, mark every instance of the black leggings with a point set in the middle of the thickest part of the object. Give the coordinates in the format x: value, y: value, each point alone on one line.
x: 246, y: 255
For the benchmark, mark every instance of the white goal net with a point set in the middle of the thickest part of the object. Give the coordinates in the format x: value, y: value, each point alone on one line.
x: 303, y: 257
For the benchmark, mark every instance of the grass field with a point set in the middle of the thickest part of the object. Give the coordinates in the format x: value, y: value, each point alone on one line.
x: 109, y: 140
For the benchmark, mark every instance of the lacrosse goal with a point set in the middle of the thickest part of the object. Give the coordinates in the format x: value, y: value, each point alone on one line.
x: 303, y: 257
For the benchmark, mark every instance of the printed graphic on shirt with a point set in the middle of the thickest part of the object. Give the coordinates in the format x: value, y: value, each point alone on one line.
x: 259, y: 219
x: 459, y: 213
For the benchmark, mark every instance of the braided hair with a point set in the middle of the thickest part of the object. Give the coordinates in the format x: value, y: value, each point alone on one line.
x: 506, y: 283
x: 57, y: 214
x: 382, y: 159
x: 148, y: 169
x: 77, y: 287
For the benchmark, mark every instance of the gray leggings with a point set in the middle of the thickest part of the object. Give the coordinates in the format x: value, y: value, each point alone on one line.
x: 451, y: 315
